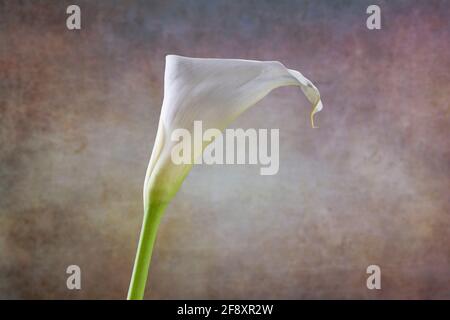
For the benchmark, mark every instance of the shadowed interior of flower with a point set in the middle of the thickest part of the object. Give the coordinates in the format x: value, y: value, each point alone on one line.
x: 216, y: 92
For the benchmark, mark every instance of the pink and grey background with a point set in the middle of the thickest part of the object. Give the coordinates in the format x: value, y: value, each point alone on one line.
x: 79, y: 113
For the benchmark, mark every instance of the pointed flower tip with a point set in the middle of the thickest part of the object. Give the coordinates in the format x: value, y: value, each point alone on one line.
x: 317, y: 107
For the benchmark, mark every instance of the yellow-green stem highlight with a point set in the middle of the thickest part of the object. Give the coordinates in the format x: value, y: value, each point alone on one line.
x: 150, y: 224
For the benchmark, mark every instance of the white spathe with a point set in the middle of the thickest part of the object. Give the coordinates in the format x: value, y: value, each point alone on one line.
x: 216, y: 92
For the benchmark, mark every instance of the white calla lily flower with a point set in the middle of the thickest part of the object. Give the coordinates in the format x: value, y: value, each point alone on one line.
x: 216, y: 92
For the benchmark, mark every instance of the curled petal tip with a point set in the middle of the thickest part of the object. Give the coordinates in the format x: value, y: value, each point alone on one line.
x: 317, y: 107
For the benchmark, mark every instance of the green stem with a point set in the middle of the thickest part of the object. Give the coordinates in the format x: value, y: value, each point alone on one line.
x: 150, y: 224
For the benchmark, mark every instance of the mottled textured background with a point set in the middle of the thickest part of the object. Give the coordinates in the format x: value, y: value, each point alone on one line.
x: 79, y: 113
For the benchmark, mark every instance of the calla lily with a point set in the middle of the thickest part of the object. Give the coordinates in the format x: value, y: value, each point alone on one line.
x: 215, y: 91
